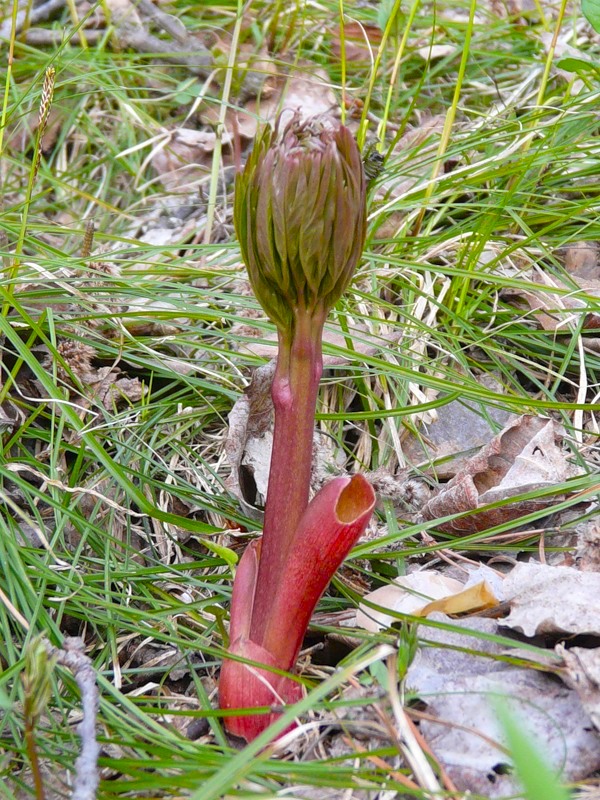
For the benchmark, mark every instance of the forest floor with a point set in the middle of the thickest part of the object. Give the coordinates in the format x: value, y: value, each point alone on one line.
x: 462, y: 377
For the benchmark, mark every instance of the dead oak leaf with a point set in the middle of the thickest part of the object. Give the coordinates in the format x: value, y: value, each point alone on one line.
x: 582, y: 261
x: 357, y: 41
x: 547, y: 600
x: 306, y: 90
x: 469, y: 744
x: 73, y: 364
x: 588, y: 545
x: 446, y: 443
x: 581, y: 672
x: 461, y: 689
x: 523, y: 457
x: 112, y: 390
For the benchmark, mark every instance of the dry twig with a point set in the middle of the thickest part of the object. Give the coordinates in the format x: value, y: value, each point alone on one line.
x: 86, y: 778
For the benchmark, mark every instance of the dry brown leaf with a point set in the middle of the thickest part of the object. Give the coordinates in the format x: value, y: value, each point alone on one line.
x: 360, y: 41
x: 552, y: 600
x: 186, y: 158
x: 237, y: 122
x: 113, y: 391
x: 461, y: 689
x: 9, y: 416
x: 259, y: 77
x: 437, y: 660
x: 582, y: 673
x: 582, y: 261
x: 255, y: 70
x: 523, y: 457
x: 588, y: 546
x: 307, y: 91
x: 102, y: 384
x: 557, y: 311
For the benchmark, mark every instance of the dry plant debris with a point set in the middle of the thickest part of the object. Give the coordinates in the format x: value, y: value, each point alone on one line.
x: 445, y: 444
x: 460, y: 677
x: 524, y: 457
x: 555, y: 298
x: 460, y: 689
x: 559, y: 601
x: 581, y: 672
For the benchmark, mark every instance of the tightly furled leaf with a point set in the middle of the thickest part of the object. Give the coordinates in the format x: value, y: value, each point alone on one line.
x: 300, y: 217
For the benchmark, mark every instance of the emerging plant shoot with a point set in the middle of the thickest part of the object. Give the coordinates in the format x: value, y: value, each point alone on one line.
x: 300, y: 218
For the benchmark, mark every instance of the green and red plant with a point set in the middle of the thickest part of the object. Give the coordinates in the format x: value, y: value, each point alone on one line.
x: 300, y: 218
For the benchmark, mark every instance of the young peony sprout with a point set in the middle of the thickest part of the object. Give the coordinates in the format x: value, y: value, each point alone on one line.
x: 300, y: 218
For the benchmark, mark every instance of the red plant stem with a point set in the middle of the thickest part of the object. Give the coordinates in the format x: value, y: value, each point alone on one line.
x: 294, y: 392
